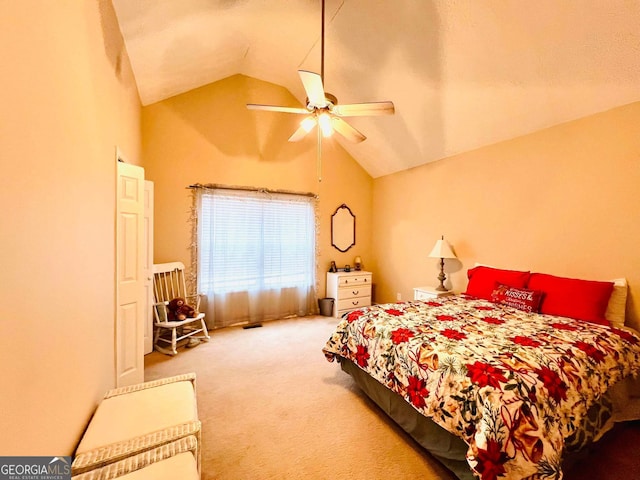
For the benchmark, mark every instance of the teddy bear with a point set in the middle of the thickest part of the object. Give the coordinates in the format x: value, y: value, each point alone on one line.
x: 179, y: 310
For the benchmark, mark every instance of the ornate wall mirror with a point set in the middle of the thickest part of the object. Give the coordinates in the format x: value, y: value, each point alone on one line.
x: 343, y: 228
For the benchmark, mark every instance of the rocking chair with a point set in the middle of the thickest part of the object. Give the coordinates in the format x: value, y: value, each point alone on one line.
x: 169, y: 283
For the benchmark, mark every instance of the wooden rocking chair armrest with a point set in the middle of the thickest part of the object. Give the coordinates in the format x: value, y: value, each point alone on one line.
x: 200, y: 297
x: 197, y: 297
x: 162, y: 316
x: 160, y: 311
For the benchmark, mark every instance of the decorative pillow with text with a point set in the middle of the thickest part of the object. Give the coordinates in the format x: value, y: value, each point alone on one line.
x: 520, y: 298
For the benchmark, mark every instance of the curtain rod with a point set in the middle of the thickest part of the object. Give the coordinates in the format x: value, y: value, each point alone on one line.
x: 250, y: 189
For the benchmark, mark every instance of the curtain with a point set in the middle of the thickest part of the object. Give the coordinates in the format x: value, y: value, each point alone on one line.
x: 256, y: 255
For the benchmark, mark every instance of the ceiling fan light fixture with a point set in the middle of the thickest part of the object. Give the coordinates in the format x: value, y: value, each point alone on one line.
x: 324, y: 120
x: 322, y: 108
x: 308, y: 123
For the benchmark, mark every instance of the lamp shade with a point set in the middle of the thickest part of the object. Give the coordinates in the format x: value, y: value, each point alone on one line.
x: 442, y: 249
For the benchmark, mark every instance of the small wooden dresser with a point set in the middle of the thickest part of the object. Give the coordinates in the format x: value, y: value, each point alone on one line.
x: 350, y: 290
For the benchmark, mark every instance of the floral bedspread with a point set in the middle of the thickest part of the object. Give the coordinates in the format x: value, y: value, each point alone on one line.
x: 513, y: 385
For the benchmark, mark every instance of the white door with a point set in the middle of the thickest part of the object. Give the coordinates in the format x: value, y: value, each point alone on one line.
x: 130, y: 294
x: 148, y: 266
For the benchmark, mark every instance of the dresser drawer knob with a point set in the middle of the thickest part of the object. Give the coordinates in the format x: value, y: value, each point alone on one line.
x: 356, y: 302
x: 355, y: 292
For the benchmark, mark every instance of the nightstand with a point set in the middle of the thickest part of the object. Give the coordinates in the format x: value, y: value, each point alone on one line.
x: 429, y: 293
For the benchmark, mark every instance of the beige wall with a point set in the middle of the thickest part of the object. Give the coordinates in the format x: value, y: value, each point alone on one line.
x: 208, y: 136
x: 67, y: 97
x: 562, y: 201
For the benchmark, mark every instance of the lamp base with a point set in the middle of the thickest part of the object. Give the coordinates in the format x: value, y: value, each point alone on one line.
x: 441, y: 277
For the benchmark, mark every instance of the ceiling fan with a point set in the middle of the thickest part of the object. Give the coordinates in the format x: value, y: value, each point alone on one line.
x: 322, y: 108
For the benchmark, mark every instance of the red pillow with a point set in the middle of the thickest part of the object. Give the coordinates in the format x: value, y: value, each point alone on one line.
x: 483, y: 280
x: 570, y: 297
x: 520, y: 298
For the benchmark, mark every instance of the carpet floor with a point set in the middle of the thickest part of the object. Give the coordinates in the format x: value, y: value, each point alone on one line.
x: 272, y: 407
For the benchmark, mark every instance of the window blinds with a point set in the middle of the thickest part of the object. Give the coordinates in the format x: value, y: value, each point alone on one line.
x: 252, y: 241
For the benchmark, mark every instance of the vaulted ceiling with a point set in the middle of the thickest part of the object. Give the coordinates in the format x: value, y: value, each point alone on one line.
x: 461, y: 73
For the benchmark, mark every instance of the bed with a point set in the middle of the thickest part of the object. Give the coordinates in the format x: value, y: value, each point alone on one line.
x: 492, y: 388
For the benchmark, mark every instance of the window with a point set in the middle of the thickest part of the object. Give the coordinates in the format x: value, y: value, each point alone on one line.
x: 257, y: 243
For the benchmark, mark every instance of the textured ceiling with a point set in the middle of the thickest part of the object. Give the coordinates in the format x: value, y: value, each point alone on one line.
x: 462, y: 73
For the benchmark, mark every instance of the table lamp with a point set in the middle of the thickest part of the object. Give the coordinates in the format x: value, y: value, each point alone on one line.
x: 442, y: 250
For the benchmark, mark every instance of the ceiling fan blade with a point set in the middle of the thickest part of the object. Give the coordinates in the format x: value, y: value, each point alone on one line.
x: 362, y: 109
x: 275, y: 108
x: 312, y: 83
x: 346, y: 130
